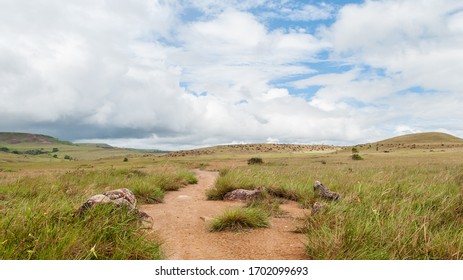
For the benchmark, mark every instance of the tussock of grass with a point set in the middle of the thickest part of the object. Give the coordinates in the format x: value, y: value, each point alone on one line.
x: 283, y: 187
x: 147, y: 193
x: 268, y: 204
x: 240, y: 219
x: 187, y: 176
x: 228, y: 181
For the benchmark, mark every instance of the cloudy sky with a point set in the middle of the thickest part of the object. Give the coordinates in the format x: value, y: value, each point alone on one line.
x: 182, y: 74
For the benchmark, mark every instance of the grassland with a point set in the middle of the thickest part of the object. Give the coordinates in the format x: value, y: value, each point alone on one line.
x: 38, y: 210
x: 406, y: 203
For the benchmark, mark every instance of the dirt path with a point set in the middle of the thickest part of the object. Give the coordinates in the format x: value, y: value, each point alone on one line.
x: 177, y: 221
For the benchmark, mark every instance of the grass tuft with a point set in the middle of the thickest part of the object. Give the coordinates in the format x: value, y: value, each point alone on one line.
x: 240, y: 219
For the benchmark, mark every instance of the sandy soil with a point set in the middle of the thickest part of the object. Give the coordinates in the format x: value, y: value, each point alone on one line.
x: 179, y: 224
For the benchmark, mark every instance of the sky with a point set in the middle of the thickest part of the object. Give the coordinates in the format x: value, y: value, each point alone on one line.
x: 185, y: 74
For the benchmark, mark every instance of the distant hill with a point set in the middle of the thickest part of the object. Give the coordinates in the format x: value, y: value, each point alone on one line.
x: 426, y: 140
x: 15, y: 146
x: 423, y: 138
x: 253, y: 149
x: 29, y: 138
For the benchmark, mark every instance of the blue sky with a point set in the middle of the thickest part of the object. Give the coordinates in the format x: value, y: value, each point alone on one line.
x: 185, y: 74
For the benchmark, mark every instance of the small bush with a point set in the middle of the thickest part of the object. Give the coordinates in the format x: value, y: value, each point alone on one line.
x: 356, y: 157
x: 355, y: 150
x: 125, y: 159
x: 240, y: 219
x: 255, y: 160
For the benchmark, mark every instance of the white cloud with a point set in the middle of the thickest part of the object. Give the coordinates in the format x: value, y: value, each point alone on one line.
x: 420, y: 40
x: 235, y: 56
x: 308, y: 12
x: 393, y: 47
x: 137, y: 74
x: 84, y: 61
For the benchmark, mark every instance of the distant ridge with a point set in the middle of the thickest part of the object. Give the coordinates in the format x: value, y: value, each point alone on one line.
x: 19, y: 137
x: 423, y: 138
x: 431, y: 141
x: 254, y: 149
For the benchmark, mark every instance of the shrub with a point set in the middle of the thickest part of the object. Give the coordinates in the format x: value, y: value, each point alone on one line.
x: 255, y: 160
x: 356, y: 157
x: 355, y: 150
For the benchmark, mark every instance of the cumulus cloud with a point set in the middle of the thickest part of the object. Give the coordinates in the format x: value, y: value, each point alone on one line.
x: 146, y: 74
x: 405, y: 59
x: 83, y: 62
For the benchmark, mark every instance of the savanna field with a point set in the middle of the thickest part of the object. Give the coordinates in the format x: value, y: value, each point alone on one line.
x: 399, y: 199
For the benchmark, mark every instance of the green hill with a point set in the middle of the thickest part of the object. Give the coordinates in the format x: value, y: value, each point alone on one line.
x: 29, y: 147
x: 423, y: 138
x: 8, y: 138
x: 431, y: 141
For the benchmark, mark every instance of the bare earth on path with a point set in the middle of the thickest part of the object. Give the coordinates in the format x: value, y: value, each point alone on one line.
x: 178, y: 222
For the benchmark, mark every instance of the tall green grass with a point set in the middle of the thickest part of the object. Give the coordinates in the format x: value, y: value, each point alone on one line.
x: 238, y: 219
x: 399, y: 207
x: 38, y: 220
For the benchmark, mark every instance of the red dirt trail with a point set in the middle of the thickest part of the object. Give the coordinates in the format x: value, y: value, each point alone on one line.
x: 178, y: 223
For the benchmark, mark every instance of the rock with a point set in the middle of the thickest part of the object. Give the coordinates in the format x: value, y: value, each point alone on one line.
x: 119, y: 197
x: 242, y: 194
x: 317, y: 207
x: 324, y: 192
